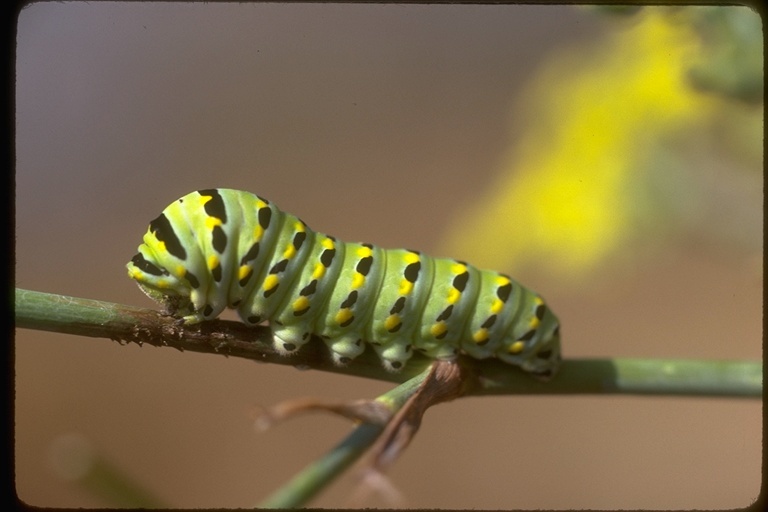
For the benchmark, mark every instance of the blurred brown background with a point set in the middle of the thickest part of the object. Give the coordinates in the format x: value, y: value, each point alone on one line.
x: 371, y: 122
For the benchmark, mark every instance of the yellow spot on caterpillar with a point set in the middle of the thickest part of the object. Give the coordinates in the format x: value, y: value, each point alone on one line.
x: 358, y: 280
x: 411, y: 257
x: 480, y: 335
x: 213, y: 262
x: 391, y: 322
x: 180, y: 271
x: 319, y: 271
x: 438, y: 328
x: 328, y: 243
x: 243, y: 272
x: 534, y: 323
x: 300, y: 304
x: 343, y: 316
x: 289, y: 252
x: 516, y: 347
x: 364, y: 252
x: 453, y: 296
x: 270, y: 282
x: 497, y: 306
x: 212, y: 222
x: 502, y: 281
x: 406, y: 287
x: 458, y: 268
x: 258, y: 232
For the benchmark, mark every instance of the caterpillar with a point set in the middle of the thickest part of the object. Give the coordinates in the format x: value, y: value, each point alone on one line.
x: 221, y: 248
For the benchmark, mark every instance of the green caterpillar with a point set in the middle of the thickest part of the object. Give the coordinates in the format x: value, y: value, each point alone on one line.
x: 220, y: 248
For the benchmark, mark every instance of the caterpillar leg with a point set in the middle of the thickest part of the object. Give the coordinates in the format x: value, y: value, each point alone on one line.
x: 288, y: 341
x: 444, y: 353
x: 345, y: 349
x: 394, y: 356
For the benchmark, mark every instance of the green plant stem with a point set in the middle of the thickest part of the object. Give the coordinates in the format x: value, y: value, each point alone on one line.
x: 84, y: 317
x: 319, y: 474
x: 681, y: 377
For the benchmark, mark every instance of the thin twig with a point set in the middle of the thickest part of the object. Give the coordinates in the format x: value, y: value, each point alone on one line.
x: 319, y: 474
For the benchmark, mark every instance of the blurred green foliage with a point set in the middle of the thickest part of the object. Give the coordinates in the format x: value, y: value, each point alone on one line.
x: 730, y: 61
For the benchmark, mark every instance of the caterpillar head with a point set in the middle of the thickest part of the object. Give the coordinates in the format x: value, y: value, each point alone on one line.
x: 173, y: 290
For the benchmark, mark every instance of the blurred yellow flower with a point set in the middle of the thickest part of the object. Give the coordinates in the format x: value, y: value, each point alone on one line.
x: 595, y: 118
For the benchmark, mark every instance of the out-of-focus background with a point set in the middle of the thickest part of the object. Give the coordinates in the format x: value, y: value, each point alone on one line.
x: 610, y: 159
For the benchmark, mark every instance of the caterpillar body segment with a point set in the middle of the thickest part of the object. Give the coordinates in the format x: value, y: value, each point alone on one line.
x: 220, y: 248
